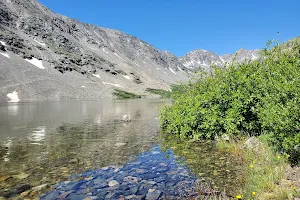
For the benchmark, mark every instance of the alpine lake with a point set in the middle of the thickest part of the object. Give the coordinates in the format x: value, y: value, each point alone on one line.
x: 106, y: 149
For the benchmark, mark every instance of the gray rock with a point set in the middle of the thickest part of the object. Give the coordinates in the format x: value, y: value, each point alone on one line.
x: 153, y: 194
x: 91, y: 198
x: 113, y: 183
x: 252, y: 143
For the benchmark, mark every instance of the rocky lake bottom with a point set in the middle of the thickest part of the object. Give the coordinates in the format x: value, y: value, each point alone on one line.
x: 153, y: 175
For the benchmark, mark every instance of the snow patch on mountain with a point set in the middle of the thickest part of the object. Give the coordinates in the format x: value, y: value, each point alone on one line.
x: 127, y: 77
x: 119, y: 57
x: 3, y: 43
x: 172, y: 70
x: 5, y: 54
x: 36, y: 62
x: 96, y: 75
x: 14, y: 97
x: 112, y: 84
x: 40, y: 43
x: 104, y: 50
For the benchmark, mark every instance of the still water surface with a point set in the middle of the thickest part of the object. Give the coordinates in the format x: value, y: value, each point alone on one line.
x: 46, y: 142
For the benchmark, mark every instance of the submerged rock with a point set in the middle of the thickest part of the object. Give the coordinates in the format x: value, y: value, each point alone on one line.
x: 153, y: 194
x: 18, y: 190
x: 21, y: 176
x: 126, y: 118
x: 113, y: 183
x: 4, y: 178
x: 40, y: 187
x: 120, y: 144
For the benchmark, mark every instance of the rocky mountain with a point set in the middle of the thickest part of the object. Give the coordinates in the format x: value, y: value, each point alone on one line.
x: 195, y: 60
x: 47, y: 56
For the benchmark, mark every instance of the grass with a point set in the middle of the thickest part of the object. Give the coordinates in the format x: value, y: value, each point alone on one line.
x: 160, y: 92
x: 265, y: 171
x: 121, y: 94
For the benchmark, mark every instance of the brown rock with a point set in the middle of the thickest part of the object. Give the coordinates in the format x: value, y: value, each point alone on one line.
x: 4, y: 178
x: 32, y: 194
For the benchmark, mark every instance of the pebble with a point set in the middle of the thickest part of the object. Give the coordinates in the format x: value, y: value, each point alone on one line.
x: 120, y: 144
x: 40, y: 187
x: 32, y: 194
x: 21, y: 176
x: 73, y: 161
x: 113, y: 183
x: 153, y: 195
x: 91, y: 198
x: 4, y: 178
x: 24, y: 194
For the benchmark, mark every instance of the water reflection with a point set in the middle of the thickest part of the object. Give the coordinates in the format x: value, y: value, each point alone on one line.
x: 7, y: 149
x: 49, y: 141
x: 38, y: 135
x: 13, y: 108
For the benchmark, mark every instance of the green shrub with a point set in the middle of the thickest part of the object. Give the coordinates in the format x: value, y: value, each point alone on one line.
x: 251, y: 98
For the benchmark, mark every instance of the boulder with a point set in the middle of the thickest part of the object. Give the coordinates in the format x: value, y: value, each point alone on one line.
x: 252, y: 143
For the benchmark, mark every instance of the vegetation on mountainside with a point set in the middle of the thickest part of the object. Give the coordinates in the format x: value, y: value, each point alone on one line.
x: 121, y: 94
x: 248, y: 99
x: 160, y: 92
x: 175, y: 90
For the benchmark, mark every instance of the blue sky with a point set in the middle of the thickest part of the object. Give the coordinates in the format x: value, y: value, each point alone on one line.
x: 180, y: 26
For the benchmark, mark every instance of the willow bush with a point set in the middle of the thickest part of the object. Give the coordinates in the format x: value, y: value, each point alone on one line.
x: 251, y: 98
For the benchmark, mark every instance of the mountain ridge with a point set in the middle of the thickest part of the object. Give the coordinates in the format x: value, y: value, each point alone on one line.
x: 68, y: 59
